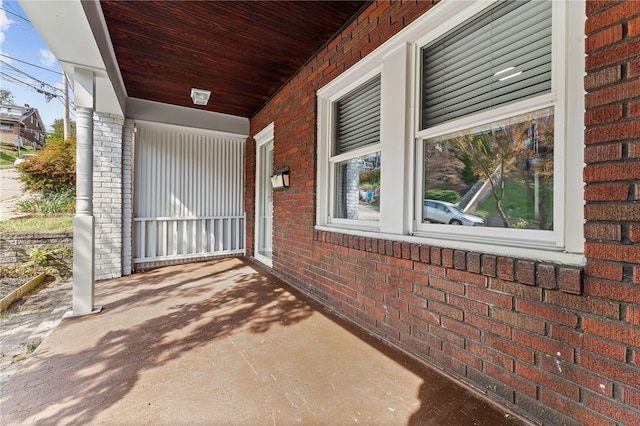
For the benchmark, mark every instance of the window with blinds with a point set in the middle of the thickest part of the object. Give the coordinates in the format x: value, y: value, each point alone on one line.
x: 358, y: 118
x: 500, y: 57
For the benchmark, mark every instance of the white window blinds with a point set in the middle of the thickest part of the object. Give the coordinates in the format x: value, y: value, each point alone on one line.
x: 358, y: 118
x: 502, y: 56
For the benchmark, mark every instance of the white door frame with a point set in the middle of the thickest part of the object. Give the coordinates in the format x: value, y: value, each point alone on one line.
x: 262, y: 138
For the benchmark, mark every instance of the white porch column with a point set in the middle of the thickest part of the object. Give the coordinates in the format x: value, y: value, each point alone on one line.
x: 83, y: 222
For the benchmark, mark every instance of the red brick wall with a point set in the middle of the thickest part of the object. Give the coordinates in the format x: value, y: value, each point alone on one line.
x: 558, y: 344
x: 608, y: 344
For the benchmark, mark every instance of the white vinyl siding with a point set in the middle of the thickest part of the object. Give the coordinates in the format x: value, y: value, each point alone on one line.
x: 189, y: 194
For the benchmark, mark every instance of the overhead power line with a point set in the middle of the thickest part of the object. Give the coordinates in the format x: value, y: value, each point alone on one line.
x: 42, y: 83
x: 16, y: 15
x: 27, y: 75
x: 30, y: 64
x: 73, y: 106
x: 47, y: 95
x: 13, y: 78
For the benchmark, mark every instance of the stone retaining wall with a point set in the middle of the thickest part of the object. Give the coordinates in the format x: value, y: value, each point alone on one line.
x: 14, y: 245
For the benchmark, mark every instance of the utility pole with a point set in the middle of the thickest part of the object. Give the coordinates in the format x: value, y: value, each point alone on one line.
x: 66, y: 122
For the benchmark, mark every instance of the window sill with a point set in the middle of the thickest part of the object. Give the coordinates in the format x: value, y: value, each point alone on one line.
x: 538, y: 253
x: 351, y: 227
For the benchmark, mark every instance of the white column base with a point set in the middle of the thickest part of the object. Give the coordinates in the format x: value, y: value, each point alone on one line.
x: 71, y: 314
x: 83, y: 265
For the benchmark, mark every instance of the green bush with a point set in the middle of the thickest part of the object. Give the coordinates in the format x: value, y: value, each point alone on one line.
x: 50, y: 260
x: 53, y: 170
x: 370, y: 179
x: 52, y: 203
x: 443, y: 195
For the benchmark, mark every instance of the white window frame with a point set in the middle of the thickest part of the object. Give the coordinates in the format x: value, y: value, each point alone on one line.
x: 398, y: 60
x: 326, y: 174
x: 333, y: 161
x: 349, y: 155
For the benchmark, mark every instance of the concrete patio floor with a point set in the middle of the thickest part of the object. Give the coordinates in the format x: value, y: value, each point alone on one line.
x: 224, y: 342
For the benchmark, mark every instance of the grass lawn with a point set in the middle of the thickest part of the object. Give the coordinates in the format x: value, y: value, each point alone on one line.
x: 8, y: 155
x: 517, y: 203
x: 54, y: 223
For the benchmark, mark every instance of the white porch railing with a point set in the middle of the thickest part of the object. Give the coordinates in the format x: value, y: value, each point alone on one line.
x: 171, y: 238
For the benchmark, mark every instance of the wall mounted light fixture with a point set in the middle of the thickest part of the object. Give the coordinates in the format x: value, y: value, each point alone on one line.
x: 200, y: 96
x: 281, y: 178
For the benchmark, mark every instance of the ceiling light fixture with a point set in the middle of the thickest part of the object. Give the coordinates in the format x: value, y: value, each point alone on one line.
x: 200, y: 96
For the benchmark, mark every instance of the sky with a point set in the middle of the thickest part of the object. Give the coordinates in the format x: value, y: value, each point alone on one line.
x: 25, y: 56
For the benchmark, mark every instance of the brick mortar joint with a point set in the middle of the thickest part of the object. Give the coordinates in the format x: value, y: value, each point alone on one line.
x: 575, y: 273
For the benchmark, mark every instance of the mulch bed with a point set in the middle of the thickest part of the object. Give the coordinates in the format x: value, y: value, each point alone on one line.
x: 7, y: 285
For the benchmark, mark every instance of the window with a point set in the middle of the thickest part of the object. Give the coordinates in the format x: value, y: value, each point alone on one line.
x: 498, y: 175
x: 355, y: 155
x: 479, y: 115
x: 489, y: 90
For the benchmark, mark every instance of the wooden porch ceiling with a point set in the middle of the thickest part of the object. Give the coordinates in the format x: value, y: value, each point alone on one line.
x: 242, y: 51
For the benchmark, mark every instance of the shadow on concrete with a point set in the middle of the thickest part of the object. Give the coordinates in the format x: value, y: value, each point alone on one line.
x: 168, y: 323
x: 160, y: 326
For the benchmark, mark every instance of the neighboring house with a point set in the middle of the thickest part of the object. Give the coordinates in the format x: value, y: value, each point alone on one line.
x: 539, y: 309
x: 21, y: 126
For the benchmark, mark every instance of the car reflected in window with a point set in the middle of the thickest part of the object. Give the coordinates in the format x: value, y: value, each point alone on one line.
x: 436, y: 211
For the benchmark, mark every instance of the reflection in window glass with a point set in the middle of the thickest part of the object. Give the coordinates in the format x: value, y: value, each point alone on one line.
x: 499, y: 175
x: 357, y: 192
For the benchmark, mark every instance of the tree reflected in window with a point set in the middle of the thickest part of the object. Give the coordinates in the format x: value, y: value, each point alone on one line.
x: 502, y: 171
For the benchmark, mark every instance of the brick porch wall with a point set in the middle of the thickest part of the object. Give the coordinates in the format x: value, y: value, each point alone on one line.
x: 558, y: 344
x: 609, y: 345
x: 107, y: 195
x: 249, y: 194
x: 127, y: 197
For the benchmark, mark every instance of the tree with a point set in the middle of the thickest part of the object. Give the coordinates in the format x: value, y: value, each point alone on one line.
x: 443, y: 170
x: 536, y: 152
x: 53, y: 170
x: 490, y: 153
x: 58, y: 129
x: 6, y: 97
x: 523, y: 148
